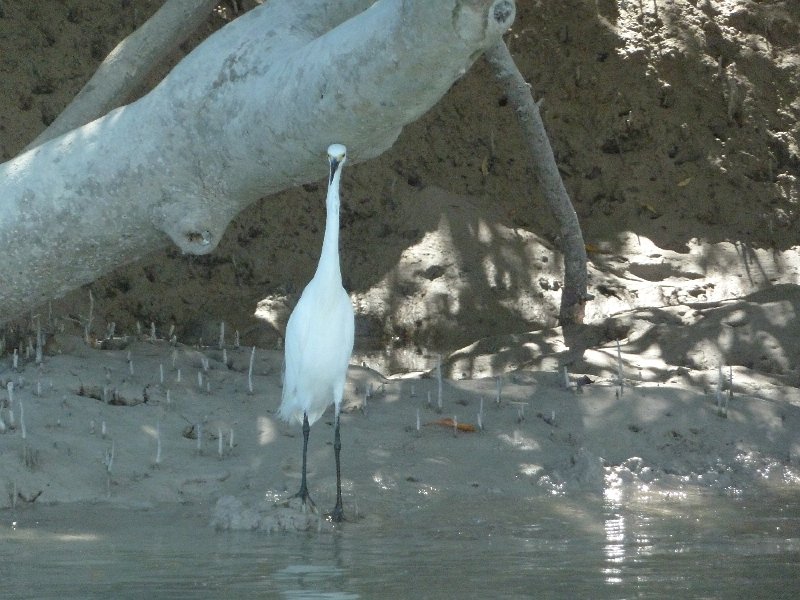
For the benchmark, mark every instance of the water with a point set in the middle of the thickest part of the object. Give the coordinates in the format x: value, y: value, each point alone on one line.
x: 672, y: 546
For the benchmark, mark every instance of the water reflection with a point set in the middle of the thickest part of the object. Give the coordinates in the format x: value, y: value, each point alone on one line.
x: 307, y: 582
x: 614, y: 548
x: 614, y: 528
x: 632, y: 542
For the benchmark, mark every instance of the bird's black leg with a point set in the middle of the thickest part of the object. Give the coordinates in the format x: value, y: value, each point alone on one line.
x: 303, y: 493
x: 337, y: 515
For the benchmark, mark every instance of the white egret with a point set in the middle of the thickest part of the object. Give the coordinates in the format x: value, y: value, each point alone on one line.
x: 319, y: 339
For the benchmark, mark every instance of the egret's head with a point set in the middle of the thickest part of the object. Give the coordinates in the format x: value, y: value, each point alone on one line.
x: 337, y: 154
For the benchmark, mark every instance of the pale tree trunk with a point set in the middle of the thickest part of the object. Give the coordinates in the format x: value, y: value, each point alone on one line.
x: 248, y: 113
x: 574, y: 293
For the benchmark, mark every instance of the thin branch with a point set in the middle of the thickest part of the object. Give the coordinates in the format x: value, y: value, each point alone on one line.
x: 574, y: 294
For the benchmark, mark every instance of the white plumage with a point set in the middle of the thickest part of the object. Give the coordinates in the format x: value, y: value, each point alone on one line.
x: 319, y: 337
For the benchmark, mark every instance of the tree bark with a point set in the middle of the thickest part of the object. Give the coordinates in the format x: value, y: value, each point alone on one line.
x: 249, y: 112
x: 126, y: 67
x: 574, y: 294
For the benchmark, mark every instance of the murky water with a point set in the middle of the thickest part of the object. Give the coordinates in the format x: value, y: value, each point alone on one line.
x: 702, y: 546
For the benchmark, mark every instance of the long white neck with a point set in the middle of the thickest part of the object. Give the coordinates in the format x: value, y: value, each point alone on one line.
x: 329, y: 260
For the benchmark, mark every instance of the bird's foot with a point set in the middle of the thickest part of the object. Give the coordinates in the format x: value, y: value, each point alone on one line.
x: 306, y: 503
x: 336, y: 515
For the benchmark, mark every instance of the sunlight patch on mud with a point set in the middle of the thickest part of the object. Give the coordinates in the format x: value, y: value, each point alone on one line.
x: 519, y: 441
x: 266, y: 431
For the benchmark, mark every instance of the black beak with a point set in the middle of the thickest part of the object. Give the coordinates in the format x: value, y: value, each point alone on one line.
x: 334, y: 166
